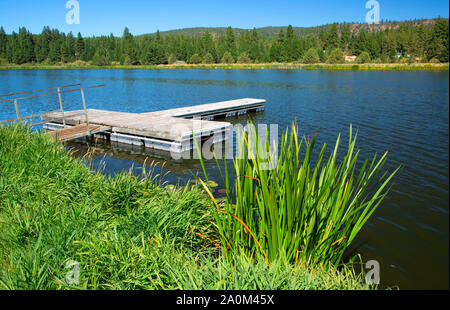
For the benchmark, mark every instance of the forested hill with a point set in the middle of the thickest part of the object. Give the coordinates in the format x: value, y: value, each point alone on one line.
x: 411, y: 41
x: 272, y: 31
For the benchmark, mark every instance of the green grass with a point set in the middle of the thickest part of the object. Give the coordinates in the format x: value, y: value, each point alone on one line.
x: 126, y: 232
x: 286, y: 206
x: 347, y: 66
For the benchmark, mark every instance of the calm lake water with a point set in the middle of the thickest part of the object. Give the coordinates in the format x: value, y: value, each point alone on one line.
x: 406, y: 113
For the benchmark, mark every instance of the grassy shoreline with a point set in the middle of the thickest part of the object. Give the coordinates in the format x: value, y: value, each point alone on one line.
x: 125, y: 232
x: 321, y: 66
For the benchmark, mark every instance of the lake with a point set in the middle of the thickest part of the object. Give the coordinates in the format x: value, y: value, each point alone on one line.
x: 406, y: 113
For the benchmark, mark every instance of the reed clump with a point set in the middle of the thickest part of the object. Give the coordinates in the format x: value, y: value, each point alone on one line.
x: 285, y: 203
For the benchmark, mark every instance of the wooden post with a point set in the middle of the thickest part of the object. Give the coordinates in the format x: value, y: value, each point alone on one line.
x: 85, y: 109
x: 17, y: 109
x: 61, y: 107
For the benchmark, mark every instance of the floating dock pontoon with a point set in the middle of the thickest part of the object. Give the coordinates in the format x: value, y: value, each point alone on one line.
x: 169, y: 130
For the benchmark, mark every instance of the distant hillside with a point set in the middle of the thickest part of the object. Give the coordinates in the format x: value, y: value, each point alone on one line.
x: 405, y: 43
x: 273, y: 31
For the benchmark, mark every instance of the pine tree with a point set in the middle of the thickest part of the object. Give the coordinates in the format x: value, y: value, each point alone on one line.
x: 275, y: 52
x: 65, y: 53
x: 80, y: 46
x: 42, y: 48
x: 150, y: 55
x: 332, y: 39
x: 12, y: 48
x: 54, y: 54
x: 208, y: 46
x: 360, y: 43
x: 68, y: 48
x: 230, y: 41
x: 158, y: 37
x: 289, y: 45
x: 289, y: 33
x: 129, y: 48
x: 25, y: 48
x: 111, y: 48
x: 345, y: 37
x: 255, y: 49
x: 127, y: 36
x: 131, y: 56
x: 439, y: 41
x: 3, y: 43
x: 279, y: 51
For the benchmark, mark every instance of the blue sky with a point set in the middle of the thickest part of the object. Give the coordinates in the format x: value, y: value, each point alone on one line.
x: 102, y: 17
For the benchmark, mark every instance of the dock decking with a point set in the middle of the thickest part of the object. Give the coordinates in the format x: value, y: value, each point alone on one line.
x: 78, y: 131
x: 169, y: 130
x: 210, y: 111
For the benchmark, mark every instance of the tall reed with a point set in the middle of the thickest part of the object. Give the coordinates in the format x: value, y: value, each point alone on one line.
x: 305, y: 212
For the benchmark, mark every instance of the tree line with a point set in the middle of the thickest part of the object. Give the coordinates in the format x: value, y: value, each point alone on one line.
x: 407, y: 42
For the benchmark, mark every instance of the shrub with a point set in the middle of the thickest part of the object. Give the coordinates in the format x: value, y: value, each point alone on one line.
x: 100, y: 59
x: 385, y: 59
x: 434, y: 61
x: 311, y: 57
x: 172, y: 59
x: 363, y: 58
x: 195, y: 59
x: 321, y: 53
x: 208, y: 59
x: 227, y: 58
x: 244, y: 59
x: 336, y: 56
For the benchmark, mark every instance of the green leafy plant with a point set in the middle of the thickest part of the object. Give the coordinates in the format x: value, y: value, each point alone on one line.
x: 298, y: 210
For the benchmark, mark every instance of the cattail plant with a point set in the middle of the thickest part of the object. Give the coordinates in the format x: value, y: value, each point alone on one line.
x: 307, y: 211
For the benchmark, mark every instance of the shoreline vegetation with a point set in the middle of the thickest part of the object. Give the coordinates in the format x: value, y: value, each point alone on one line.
x: 407, y: 45
x: 136, y: 232
x: 441, y: 67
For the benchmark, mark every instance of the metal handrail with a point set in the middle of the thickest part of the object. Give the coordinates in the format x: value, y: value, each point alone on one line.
x: 59, y: 92
x: 62, y: 92
x: 38, y: 90
x: 29, y: 116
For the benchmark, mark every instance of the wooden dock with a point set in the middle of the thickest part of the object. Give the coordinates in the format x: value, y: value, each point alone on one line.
x: 211, y: 111
x: 169, y: 130
x: 78, y: 131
